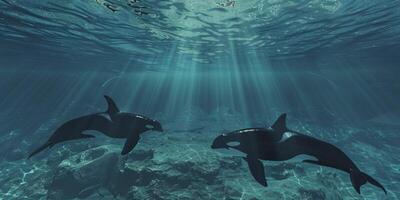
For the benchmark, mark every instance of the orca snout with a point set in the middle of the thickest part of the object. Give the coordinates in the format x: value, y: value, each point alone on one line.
x: 157, y: 126
x: 219, y: 143
x: 154, y: 125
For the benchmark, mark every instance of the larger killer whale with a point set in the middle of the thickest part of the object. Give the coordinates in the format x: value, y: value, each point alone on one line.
x: 112, y: 123
x: 278, y: 143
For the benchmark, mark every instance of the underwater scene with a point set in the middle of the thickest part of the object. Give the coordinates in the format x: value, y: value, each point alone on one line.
x: 203, y: 100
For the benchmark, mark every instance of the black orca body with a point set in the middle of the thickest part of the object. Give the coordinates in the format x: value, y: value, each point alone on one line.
x: 112, y: 123
x: 278, y: 143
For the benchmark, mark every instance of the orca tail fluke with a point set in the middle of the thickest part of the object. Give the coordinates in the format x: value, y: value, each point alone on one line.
x: 374, y: 182
x: 359, y: 178
x: 41, y: 148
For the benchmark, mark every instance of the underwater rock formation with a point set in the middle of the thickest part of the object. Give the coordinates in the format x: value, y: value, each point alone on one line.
x: 79, y: 172
x: 173, y: 166
x: 191, y: 171
x: 307, y: 194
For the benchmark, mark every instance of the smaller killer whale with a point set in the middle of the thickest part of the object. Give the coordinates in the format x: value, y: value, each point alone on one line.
x: 278, y: 143
x: 112, y: 123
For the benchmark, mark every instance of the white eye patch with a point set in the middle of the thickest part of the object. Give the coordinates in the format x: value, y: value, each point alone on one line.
x: 233, y: 144
x: 149, y: 126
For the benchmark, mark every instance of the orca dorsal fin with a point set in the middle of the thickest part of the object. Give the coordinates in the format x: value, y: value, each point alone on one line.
x: 280, y: 124
x: 112, y: 107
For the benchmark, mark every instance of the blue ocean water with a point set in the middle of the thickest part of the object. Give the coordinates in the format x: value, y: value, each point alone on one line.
x: 201, y: 68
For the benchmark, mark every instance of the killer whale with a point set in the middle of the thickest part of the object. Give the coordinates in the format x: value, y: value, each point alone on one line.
x: 112, y: 123
x: 278, y: 143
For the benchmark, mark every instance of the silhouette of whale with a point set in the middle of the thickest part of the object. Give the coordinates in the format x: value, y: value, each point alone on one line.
x: 278, y: 143
x: 112, y: 123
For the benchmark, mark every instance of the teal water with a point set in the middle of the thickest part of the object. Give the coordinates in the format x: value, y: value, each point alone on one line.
x: 201, y: 70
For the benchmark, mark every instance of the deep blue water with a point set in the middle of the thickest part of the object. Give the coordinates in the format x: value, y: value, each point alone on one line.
x: 200, y: 69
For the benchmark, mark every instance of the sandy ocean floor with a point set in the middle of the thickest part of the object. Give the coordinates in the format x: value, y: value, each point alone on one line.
x: 179, y: 164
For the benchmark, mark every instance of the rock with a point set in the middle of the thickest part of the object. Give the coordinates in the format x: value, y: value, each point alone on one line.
x: 156, y: 170
x: 233, y: 162
x: 282, y: 170
x: 91, y: 167
x: 136, y: 192
x: 14, y: 155
x: 311, y: 194
x: 23, y: 180
x: 140, y: 155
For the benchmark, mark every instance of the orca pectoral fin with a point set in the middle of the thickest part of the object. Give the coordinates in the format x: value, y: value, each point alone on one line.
x: 257, y: 169
x: 130, y: 144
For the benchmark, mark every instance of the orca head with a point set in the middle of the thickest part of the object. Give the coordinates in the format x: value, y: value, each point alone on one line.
x: 223, y: 141
x: 154, y: 125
